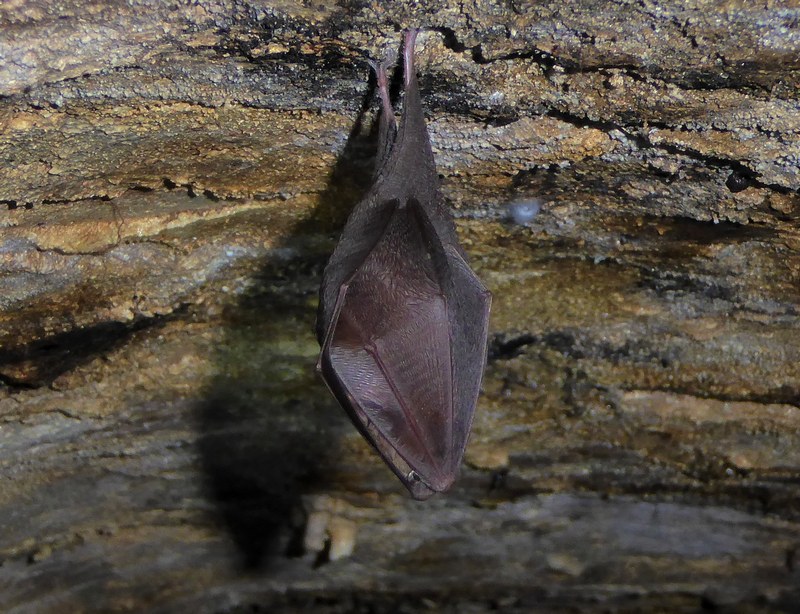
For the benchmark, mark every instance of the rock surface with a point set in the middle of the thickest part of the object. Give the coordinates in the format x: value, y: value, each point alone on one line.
x: 173, y: 179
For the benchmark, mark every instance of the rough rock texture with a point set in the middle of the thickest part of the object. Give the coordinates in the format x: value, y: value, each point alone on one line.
x: 174, y: 176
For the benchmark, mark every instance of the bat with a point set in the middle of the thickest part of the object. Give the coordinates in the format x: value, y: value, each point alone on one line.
x: 403, y: 319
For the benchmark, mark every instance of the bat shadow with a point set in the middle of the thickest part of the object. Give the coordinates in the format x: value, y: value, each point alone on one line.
x: 265, y: 420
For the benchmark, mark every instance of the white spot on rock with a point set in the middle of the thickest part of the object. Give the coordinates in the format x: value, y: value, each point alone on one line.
x: 523, y: 211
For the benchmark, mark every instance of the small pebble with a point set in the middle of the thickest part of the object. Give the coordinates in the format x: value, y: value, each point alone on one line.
x: 343, y: 538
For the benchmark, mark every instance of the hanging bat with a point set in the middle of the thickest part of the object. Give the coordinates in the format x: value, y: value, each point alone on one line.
x: 403, y: 320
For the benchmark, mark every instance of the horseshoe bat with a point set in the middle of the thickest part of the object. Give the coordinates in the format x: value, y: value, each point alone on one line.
x: 403, y: 320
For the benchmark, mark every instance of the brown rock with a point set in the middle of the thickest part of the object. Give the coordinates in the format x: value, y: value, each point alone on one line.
x: 173, y: 179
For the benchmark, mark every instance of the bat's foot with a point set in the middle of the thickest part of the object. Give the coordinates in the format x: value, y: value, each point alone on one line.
x: 409, y: 40
x: 383, y: 87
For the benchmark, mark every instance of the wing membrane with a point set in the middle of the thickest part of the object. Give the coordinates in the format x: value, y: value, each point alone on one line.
x: 390, y: 348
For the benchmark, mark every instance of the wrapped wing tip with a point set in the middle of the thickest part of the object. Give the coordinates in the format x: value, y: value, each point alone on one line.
x: 418, y: 489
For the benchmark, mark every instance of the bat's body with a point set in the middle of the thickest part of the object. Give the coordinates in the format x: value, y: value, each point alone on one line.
x: 402, y: 318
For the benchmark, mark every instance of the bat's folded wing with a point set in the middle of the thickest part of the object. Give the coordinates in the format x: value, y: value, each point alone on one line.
x: 405, y: 350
